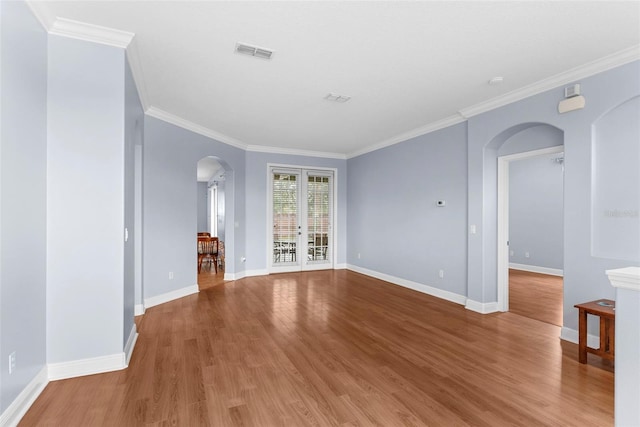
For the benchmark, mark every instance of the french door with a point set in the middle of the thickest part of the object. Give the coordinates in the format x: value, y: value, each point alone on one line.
x: 301, y: 220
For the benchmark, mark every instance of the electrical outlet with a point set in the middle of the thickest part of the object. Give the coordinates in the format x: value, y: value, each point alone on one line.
x: 171, y: 275
x: 12, y: 362
x: 511, y: 253
x: 358, y: 255
x: 526, y: 254
x: 441, y: 274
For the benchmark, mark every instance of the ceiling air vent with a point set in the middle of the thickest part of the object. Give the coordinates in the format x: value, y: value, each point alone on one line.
x: 258, y: 52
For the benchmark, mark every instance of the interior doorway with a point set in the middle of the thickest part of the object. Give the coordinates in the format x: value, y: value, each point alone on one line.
x: 211, y: 181
x: 530, y: 233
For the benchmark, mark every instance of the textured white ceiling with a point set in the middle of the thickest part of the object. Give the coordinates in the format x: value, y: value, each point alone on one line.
x: 406, y: 65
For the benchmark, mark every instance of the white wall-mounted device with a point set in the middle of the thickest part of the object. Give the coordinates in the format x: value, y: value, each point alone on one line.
x: 573, y: 100
x: 440, y: 203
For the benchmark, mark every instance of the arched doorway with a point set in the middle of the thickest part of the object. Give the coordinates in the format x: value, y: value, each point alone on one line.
x: 526, y: 141
x: 211, y: 173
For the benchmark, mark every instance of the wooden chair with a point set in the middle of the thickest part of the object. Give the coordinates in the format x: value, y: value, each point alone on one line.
x: 203, y: 234
x: 208, y: 248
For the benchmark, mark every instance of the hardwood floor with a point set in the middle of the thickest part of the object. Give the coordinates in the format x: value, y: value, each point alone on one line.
x: 334, y: 348
x: 537, y: 296
x: 208, y: 278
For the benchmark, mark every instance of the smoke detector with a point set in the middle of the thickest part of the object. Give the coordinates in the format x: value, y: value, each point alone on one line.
x: 255, y: 51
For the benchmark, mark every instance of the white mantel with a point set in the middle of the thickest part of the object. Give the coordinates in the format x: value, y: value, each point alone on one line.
x: 627, y: 351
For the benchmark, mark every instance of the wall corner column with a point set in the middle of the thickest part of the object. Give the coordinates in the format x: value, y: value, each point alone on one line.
x: 627, y: 351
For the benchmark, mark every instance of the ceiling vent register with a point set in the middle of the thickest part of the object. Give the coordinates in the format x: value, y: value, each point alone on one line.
x: 255, y: 51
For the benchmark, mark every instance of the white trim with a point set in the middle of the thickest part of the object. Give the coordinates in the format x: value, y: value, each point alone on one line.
x: 42, y: 15
x: 170, y: 296
x: 138, y: 309
x: 341, y: 266
x: 425, y: 289
x: 625, y: 278
x: 572, y: 335
x: 91, y: 33
x: 481, y: 307
x: 503, y: 219
x: 586, y: 70
x: 536, y: 269
x: 413, y: 133
x: 502, y: 271
x: 82, y: 367
x: 193, y: 127
x: 295, y: 152
x: 138, y: 75
x: 257, y: 272
x: 21, y: 404
x: 234, y: 276
x: 131, y: 343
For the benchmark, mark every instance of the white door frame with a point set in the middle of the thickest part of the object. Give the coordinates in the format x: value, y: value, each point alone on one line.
x: 302, y: 266
x: 503, y: 218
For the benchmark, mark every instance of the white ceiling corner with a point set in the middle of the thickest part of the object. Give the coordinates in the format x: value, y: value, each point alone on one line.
x: 603, y: 64
x: 194, y: 127
x: 427, y: 69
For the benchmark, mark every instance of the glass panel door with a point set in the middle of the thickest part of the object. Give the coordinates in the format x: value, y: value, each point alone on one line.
x: 302, y: 214
x: 319, y: 214
x: 286, y: 225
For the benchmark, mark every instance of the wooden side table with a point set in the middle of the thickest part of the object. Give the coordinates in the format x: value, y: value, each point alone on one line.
x: 605, y: 310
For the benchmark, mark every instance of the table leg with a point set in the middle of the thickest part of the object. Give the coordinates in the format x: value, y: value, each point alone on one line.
x: 582, y: 339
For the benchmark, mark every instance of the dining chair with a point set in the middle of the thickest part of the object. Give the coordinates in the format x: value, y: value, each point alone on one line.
x: 203, y: 234
x: 208, y: 249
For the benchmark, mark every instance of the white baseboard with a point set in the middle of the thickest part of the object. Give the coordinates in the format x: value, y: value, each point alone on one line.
x: 131, y: 343
x: 235, y: 276
x: 80, y: 368
x: 572, y: 335
x: 481, y: 307
x: 536, y: 269
x: 253, y: 273
x: 21, y: 404
x: 170, y: 296
x: 138, y: 310
x: 342, y: 266
x: 425, y: 289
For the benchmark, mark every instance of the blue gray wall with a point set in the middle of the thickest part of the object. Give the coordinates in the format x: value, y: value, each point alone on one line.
x: 584, y: 277
x: 202, y: 206
x: 170, y: 216
x: 85, y: 200
x: 536, y: 212
x: 23, y: 150
x: 257, y: 187
x: 393, y: 220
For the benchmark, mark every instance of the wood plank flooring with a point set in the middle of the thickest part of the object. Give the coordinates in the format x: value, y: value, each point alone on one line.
x: 537, y: 296
x: 334, y: 348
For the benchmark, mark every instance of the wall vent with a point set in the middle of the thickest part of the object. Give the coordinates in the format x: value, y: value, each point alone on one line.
x: 255, y: 51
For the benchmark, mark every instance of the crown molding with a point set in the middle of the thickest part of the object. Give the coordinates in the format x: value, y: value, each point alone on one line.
x: 41, y: 14
x: 193, y: 127
x: 589, y: 69
x: 91, y: 33
x: 138, y: 75
x: 431, y: 127
x: 295, y: 152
